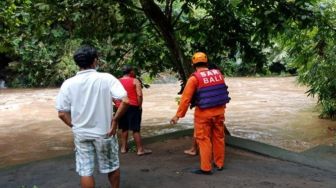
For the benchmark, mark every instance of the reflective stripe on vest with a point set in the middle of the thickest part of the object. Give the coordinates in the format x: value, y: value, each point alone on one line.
x: 212, y: 90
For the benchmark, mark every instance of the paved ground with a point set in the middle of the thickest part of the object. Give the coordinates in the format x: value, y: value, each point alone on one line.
x: 168, y: 167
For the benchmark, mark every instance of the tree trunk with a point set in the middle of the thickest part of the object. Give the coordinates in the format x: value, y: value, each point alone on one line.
x: 161, y: 22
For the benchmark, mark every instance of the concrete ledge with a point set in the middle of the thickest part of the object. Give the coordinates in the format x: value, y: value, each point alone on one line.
x: 259, y: 148
x: 162, y: 137
x: 275, y: 152
x: 319, y: 161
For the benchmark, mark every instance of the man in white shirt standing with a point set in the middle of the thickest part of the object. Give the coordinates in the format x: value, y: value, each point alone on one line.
x: 84, y: 103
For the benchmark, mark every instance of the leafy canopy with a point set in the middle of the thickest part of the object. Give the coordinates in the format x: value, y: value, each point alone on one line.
x: 240, y: 36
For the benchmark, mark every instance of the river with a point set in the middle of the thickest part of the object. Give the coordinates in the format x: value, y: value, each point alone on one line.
x: 272, y: 110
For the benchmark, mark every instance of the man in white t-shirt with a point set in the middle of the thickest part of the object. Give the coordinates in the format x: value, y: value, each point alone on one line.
x: 84, y: 103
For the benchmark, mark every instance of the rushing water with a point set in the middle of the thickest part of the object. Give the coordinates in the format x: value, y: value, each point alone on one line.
x: 275, y: 111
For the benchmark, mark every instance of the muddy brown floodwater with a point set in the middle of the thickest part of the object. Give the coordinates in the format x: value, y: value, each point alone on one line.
x: 272, y: 110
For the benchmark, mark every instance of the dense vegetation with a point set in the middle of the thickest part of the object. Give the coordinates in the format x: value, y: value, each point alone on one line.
x: 38, y: 38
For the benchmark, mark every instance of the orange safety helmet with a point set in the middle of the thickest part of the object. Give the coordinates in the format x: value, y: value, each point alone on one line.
x: 199, y: 57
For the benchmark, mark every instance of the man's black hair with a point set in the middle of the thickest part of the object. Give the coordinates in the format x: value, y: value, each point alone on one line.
x: 126, y: 69
x: 85, y: 56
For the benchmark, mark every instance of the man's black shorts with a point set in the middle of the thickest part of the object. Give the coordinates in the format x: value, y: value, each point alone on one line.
x: 131, y: 120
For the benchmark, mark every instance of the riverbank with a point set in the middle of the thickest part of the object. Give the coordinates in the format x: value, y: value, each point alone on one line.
x: 272, y: 110
x: 168, y: 167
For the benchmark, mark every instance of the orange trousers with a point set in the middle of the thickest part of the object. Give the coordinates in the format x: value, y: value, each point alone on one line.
x: 210, y: 137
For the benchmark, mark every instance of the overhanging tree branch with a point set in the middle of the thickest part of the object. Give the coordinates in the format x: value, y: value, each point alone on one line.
x: 154, y: 13
x: 180, y: 14
x: 127, y: 3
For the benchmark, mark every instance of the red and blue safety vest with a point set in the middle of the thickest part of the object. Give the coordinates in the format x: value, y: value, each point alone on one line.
x: 212, y: 90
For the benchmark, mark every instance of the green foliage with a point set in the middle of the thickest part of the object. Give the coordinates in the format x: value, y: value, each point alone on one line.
x: 146, y: 78
x: 41, y: 36
x: 313, y: 52
x: 319, y: 74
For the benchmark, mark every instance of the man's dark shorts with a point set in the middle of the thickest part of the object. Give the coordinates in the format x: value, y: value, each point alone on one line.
x: 131, y: 120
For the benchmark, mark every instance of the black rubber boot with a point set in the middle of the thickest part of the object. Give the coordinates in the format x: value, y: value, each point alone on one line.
x: 202, y: 172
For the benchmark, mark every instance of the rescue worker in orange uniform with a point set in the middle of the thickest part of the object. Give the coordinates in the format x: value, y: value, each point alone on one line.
x: 211, y: 95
